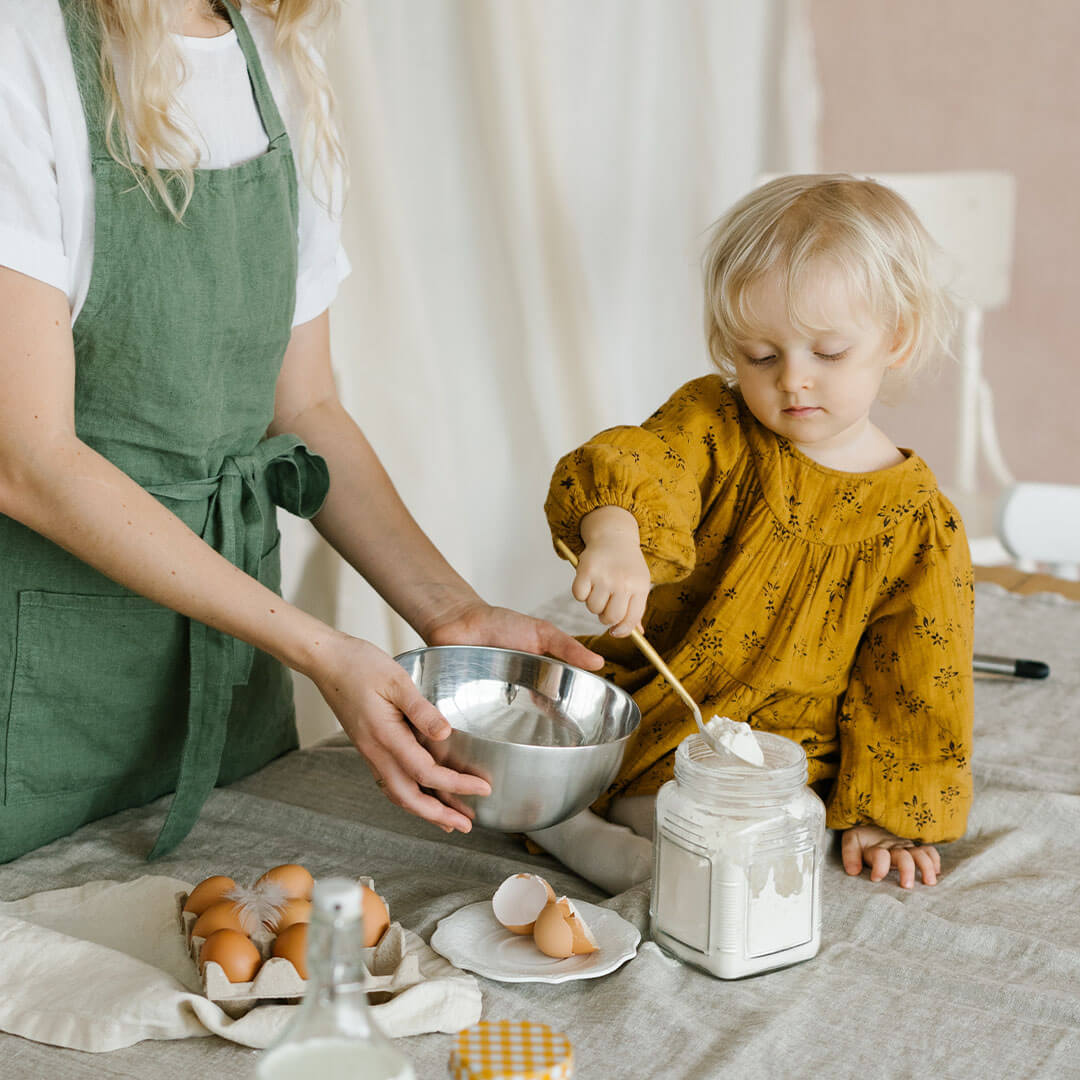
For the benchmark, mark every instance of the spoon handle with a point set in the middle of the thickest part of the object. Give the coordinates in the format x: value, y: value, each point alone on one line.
x: 651, y: 654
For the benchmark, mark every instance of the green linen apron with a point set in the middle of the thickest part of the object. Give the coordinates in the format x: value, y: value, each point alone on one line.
x: 108, y: 700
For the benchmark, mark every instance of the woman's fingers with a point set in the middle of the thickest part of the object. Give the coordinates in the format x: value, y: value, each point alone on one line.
x: 402, y: 790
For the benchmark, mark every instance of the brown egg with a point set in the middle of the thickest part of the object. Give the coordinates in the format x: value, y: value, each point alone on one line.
x: 222, y: 915
x: 234, y: 951
x: 207, y: 892
x: 561, y: 932
x: 376, y: 916
x: 294, y: 880
x: 291, y: 945
x: 292, y: 912
x: 519, y: 900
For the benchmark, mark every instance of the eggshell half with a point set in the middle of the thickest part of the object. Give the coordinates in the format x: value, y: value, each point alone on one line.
x: 519, y: 900
x: 560, y: 931
x: 234, y: 952
x: 291, y: 945
x: 207, y: 892
x: 295, y: 880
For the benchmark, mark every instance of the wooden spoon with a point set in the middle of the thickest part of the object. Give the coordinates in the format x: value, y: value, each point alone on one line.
x: 657, y: 662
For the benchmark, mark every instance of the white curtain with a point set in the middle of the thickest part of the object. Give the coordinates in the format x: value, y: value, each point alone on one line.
x: 532, y: 181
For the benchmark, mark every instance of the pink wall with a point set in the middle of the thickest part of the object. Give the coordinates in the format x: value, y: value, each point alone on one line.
x: 921, y: 85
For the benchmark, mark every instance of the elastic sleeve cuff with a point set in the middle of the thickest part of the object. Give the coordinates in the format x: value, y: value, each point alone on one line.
x: 611, y: 475
x: 26, y: 253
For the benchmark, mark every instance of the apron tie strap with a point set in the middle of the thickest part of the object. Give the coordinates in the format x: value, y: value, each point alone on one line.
x: 298, y: 481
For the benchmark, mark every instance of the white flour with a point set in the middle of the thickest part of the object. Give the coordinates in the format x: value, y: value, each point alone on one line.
x: 737, y: 888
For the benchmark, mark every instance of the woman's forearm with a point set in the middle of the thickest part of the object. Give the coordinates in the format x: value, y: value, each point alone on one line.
x: 365, y: 520
x: 83, y: 503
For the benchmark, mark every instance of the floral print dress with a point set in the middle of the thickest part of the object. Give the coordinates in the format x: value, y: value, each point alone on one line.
x: 834, y: 608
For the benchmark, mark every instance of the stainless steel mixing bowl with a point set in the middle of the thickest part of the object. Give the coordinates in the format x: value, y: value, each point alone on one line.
x: 548, y: 737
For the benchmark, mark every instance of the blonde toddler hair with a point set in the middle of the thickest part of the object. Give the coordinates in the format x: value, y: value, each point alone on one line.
x: 789, y: 224
x: 153, y: 71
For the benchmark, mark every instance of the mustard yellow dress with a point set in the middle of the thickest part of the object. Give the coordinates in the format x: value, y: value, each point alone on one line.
x: 834, y: 608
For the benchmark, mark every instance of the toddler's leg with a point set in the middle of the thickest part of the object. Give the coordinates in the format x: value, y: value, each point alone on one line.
x: 607, y: 854
x: 637, y: 812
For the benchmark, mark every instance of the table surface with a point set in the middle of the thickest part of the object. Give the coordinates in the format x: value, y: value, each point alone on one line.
x: 977, y: 977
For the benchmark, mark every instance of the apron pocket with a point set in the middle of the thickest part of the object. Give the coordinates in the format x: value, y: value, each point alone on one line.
x: 99, y: 695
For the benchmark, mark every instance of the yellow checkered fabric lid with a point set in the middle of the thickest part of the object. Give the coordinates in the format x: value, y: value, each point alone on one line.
x: 517, y: 1049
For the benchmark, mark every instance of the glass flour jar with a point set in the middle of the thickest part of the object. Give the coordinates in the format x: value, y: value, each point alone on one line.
x: 738, y: 850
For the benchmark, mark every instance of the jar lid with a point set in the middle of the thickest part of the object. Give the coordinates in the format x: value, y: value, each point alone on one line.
x: 511, y: 1050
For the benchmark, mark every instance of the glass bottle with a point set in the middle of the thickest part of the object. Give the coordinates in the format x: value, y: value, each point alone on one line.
x: 333, y: 1033
x: 738, y: 856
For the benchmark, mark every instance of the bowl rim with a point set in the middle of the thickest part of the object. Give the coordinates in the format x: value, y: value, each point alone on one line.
x: 634, y: 707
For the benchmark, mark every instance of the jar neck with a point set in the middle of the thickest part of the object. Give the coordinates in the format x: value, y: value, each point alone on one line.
x: 729, y: 782
x: 335, y: 954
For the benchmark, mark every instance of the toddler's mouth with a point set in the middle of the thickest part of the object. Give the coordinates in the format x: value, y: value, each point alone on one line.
x: 801, y: 410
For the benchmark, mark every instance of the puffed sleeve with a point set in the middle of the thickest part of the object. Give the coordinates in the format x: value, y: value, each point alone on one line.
x: 662, y: 472
x: 906, y: 718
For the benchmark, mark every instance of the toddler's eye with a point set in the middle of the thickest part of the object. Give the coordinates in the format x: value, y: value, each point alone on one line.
x: 832, y: 356
x: 758, y: 360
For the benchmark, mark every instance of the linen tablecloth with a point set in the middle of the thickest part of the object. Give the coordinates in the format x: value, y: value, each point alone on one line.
x: 978, y: 977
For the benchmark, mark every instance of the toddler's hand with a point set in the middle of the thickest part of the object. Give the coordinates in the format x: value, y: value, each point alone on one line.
x: 881, y: 851
x: 612, y: 576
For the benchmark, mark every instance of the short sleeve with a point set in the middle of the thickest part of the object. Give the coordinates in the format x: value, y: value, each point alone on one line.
x: 907, y: 716
x: 662, y: 472
x: 31, y: 233
x: 322, y: 263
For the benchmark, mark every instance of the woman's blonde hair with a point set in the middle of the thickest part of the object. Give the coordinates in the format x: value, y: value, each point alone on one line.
x: 161, y: 155
x: 788, y: 225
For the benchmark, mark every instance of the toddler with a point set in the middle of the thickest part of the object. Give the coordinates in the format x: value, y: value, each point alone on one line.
x: 793, y: 567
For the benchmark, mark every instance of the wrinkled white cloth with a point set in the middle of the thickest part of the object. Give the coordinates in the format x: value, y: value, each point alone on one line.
x: 104, y: 965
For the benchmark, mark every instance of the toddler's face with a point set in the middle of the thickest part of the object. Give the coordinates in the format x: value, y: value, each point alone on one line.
x: 813, y: 384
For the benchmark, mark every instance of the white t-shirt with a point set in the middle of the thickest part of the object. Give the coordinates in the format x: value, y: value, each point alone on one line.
x: 46, y: 188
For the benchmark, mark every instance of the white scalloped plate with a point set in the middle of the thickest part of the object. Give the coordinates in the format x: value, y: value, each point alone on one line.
x: 473, y: 939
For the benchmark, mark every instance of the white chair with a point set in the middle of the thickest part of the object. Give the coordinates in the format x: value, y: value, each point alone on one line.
x: 1039, y: 524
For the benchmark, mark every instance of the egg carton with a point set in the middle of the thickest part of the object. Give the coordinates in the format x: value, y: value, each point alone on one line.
x: 276, y: 982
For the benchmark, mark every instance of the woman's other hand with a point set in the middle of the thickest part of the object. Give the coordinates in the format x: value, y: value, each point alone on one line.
x: 478, y: 623
x: 382, y: 712
x: 881, y: 851
x: 612, y: 578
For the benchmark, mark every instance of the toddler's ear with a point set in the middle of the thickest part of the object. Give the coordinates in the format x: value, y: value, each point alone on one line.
x: 903, y: 345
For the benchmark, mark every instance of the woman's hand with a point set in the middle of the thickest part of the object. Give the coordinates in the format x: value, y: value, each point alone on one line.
x: 478, y: 623
x: 382, y: 712
x: 881, y: 851
x: 612, y: 578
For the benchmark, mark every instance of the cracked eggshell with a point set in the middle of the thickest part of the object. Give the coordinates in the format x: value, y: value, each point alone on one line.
x: 519, y: 900
x: 561, y: 932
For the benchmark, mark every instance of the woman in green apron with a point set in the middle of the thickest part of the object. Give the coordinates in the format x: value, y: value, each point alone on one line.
x: 143, y: 453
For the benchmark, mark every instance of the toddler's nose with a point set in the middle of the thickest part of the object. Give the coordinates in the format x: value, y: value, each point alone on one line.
x: 792, y: 375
